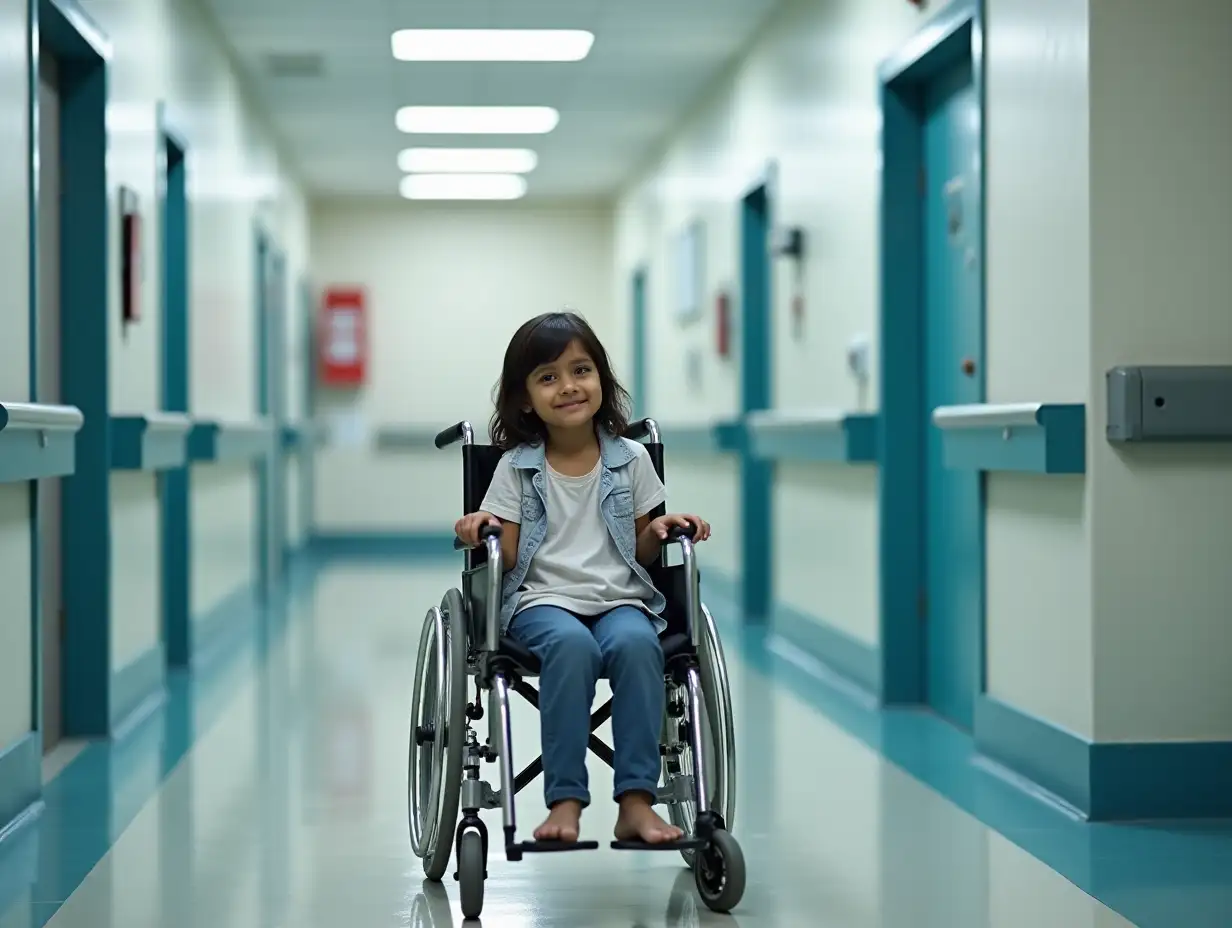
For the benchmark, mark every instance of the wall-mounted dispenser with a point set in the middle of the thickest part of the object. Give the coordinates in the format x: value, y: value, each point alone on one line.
x: 1169, y: 404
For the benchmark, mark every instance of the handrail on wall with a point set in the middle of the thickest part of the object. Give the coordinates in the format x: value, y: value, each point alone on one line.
x: 987, y: 415
x: 40, y: 416
x: 38, y: 440
x: 1039, y: 438
x: 818, y: 435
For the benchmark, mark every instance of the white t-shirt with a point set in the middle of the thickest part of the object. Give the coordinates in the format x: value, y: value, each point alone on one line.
x: 578, y: 566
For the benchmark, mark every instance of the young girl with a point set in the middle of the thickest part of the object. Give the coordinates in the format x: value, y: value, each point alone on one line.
x: 574, y: 498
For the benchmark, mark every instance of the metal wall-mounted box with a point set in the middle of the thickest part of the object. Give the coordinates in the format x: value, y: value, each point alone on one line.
x: 1169, y: 404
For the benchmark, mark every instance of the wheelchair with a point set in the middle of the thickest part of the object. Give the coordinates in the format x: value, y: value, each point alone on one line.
x: 461, y: 640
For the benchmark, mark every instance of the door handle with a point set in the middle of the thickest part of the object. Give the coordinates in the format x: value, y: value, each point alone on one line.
x: 968, y: 366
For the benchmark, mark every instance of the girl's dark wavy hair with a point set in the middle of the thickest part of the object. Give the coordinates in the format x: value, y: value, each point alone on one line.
x: 541, y: 341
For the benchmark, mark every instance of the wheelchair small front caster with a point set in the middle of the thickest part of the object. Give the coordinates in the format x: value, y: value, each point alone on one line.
x: 718, y: 869
x: 471, y: 873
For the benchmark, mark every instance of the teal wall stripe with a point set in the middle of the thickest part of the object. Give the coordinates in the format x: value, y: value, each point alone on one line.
x: 84, y: 223
x: 382, y: 545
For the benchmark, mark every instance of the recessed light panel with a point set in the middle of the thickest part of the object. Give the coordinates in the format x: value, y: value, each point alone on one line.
x: 491, y: 44
x: 467, y: 160
x: 477, y: 120
x: 463, y: 186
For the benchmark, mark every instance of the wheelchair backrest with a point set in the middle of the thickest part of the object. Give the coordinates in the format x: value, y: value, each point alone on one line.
x: 479, y: 465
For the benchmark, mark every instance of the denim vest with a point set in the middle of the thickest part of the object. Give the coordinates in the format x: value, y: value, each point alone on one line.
x: 616, y: 502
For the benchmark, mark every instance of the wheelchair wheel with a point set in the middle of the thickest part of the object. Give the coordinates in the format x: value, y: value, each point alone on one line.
x: 437, y: 737
x: 718, y: 738
x: 719, y: 873
x: 471, y: 874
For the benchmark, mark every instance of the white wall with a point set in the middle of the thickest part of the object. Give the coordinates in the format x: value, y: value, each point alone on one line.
x: 168, y: 50
x: 447, y: 287
x: 1038, y: 346
x: 1161, y: 239
x: 806, y: 97
x: 15, y: 709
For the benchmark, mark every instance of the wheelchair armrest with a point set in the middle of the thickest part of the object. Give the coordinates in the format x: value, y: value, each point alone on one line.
x: 462, y: 431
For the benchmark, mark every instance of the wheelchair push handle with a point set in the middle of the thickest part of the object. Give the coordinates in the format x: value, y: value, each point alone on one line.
x: 461, y: 431
x: 676, y: 532
x: 488, y: 530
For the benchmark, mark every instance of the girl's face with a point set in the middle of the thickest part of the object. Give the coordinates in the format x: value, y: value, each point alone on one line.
x: 566, y: 393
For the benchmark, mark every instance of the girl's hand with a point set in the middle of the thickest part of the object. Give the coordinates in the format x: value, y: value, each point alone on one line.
x: 662, y: 525
x: 467, y: 528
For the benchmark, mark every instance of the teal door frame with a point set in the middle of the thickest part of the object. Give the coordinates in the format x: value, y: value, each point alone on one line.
x: 264, y: 466
x: 756, y: 393
x: 83, y: 52
x: 640, y: 344
x: 954, y: 33
x: 175, y: 485
x: 308, y: 454
x: 276, y: 327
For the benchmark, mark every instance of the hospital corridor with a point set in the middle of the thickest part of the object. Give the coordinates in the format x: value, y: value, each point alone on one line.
x: 837, y: 391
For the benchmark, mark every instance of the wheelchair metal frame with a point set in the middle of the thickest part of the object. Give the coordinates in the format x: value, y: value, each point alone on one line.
x: 497, y: 670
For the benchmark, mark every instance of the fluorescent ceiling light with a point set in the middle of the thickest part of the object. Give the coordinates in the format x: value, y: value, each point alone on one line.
x: 477, y: 120
x: 463, y: 186
x: 491, y: 44
x: 467, y: 161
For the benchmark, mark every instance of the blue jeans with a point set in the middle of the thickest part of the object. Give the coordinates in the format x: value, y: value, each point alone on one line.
x: 620, y: 645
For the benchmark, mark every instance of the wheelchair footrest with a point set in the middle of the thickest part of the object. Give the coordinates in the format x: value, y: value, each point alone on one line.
x: 683, y: 844
x: 555, y: 847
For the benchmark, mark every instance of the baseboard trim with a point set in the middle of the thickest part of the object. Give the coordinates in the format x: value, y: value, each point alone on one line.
x: 21, y: 784
x: 853, y: 660
x: 1095, y: 781
x: 1104, y: 781
x: 225, y: 624
x: 138, y: 688
x: 368, y: 546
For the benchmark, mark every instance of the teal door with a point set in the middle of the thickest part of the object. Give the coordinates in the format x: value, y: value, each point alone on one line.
x: 953, y: 373
x: 638, y: 387
x: 755, y: 393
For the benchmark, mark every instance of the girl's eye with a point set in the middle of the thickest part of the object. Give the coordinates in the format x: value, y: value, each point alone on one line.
x: 545, y: 378
x: 582, y: 371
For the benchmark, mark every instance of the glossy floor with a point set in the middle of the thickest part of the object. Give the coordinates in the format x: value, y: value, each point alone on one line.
x: 273, y: 794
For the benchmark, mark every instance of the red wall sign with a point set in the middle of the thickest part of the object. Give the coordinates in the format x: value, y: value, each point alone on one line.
x: 130, y: 256
x: 343, y: 337
x: 722, y: 325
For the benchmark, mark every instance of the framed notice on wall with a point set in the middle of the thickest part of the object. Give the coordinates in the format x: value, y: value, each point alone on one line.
x: 690, y: 272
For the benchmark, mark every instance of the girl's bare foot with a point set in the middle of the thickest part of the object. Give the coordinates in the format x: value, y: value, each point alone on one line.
x: 639, y: 821
x: 563, y: 822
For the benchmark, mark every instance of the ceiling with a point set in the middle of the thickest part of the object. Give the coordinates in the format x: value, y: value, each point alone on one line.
x: 325, y: 72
